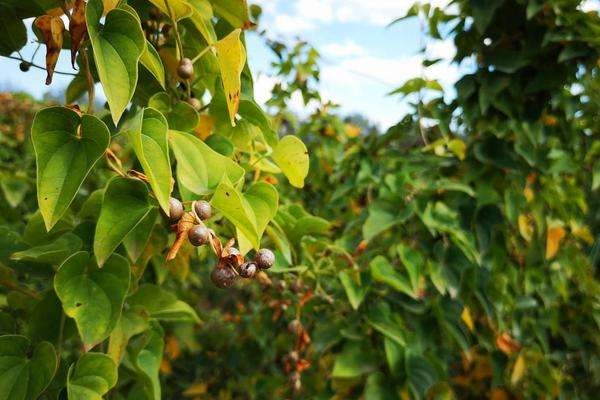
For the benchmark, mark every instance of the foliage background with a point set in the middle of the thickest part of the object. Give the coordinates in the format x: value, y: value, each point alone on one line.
x: 453, y: 256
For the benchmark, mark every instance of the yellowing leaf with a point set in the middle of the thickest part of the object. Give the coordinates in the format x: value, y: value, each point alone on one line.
x: 77, y: 28
x: 232, y: 58
x: 352, y: 130
x: 518, y: 370
x: 458, y: 147
x: 528, y: 193
x: 204, y: 127
x: 109, y: 5
x: 291, y: 156
x: 467, y: 319
x: 52, y: 29
x: 553, y: 238
x: 583, y: 233
x: 196, y: 389
x: 525, y: 227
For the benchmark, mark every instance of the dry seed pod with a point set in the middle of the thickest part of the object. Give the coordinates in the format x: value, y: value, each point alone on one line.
x: 223, y: 277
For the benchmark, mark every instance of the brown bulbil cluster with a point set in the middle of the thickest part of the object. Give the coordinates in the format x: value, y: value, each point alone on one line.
x: 232, y: 264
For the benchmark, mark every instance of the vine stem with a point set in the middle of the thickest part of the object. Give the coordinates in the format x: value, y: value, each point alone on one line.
x: 61, y: 331
x: 203, y: 52
x: 90, y: 81
x: 39, y: 66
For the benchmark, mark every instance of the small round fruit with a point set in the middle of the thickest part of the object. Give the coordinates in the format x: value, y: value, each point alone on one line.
x: 185, y: 70
x: 223, y: 277
x: 194, y: 102
x: 199, y: 235
x: 175, y: 209
x: 264, y: 258
x: 24, y: 66
x: 203, y: 209
x: 248, y: 270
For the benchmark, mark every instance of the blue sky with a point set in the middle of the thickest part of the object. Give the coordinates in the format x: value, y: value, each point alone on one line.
x: 362, y: 58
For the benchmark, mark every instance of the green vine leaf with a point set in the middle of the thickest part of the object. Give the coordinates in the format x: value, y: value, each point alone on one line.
x: 91, y: 377
x: 161, y: 305
x: 145, y: 356
x: 200, y: 168
x: 24, y: 371
x: 291, y: 156
x: 179, y: 8
x: 148, y: 136
x: 91, y: 295
x: 235, y: 12
x: 180, y: 115
x: 117, y: 46
x: 250, y: 212
x: 14, y: 33
x: 125, y: 204
x: 67, y: 147
x: 152, y: 62
x: 52, y: 253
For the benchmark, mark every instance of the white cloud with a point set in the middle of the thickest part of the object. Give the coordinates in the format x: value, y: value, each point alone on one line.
x: 590, y: 5
x: 346, y: 49
x: 292, y: 24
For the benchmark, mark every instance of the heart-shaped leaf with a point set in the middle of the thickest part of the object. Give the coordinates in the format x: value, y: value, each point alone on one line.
x: 234, y: 12
x: 249, y: 212
x: 14, y: 33
x: 125, y: 205
x: 200, y: 168
x: 152, y: 62
x: 130, y: 324
x: 232, y: 58
x: 52, y: 253
x: 162, y: 305
x: 25, y: 372
x: 148, y: 136
x: 146, y: 356
x: 91, y: 295
x: 67, y: 147
x: 354, y: 290
x: 117, y: 46
x: 180, y: 115
x: 91, y: 377
x: 176, y: 9
x: 291, y: 156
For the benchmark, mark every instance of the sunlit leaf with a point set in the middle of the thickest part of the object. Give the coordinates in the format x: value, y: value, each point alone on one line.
x: 291, y: 156
x: 232, y: 57
x: 91, y: 377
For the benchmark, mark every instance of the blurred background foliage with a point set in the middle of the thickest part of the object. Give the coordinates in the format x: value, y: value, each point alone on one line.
x: 453, y: 256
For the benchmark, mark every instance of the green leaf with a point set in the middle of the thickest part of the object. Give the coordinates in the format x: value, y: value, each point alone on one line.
x: 91, y: 295
x: 249, y: 212
x: 354, y: 290
x: 52, y: 253
x: 232, y: 58
x: 200, y: 168
x: 13, y: 34
x: 201, y: 18
x: 179, y: 8
x: 117, y: 46
x: 15, y: 188
x: 25, y: 372
x: 162, y: 305
x: 234, y: 11
x: 291, y: 156
x: 383, y: 271
x: 390, y: 325
x: 220, y: 144
x: 125, y: 205
x: 67, y: 147
x: 91, y: 377
x: 135, y: 242
x: 130, y: 324
x: 353, y: 361
x: 146, y: 356
x: 414, y: 263
x: 148, y: 136
x: 45, y: 319
x: 152, y: 62
x: 421, y: 375
x: 377, y: 388
x: 180, y: 115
